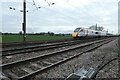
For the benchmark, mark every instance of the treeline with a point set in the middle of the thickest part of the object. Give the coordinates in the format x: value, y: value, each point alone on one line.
x: 41, y: 33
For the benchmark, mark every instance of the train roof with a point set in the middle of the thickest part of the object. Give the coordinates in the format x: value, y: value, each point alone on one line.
x: 89, y: 29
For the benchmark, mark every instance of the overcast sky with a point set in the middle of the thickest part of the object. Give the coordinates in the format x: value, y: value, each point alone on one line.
x: 62, y: 17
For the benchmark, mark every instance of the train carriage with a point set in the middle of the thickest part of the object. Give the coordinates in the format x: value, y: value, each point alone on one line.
x: 85, y: 32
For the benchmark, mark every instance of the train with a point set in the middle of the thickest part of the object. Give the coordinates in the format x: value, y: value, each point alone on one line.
x: 88, y: 33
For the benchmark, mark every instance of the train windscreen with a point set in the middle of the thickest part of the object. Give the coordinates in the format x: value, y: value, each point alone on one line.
x: 77, y: 29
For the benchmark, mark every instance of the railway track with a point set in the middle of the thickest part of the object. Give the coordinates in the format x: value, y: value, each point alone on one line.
x: 18, y: 46
x: 8, y: 52
x: 27, y: 52
x: 24, y: 69
x: 13, y: 51
x: 28, y: 43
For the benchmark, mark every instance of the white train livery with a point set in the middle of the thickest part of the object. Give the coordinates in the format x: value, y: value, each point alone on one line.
x: 85, y: 32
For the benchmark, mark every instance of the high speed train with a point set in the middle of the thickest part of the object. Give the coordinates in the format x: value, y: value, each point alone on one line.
x: 85, y: 32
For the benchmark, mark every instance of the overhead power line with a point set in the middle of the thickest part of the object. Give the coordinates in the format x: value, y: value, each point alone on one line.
x: 63, y: 14
x: 38, y: 6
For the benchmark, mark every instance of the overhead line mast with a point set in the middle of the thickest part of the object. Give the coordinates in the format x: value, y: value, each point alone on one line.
x: 24, y: 20
x: 24, y: 16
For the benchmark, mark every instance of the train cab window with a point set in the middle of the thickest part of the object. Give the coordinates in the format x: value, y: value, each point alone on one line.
x: 76, y: 30
x: 96, y: 32
x: 81, y: 30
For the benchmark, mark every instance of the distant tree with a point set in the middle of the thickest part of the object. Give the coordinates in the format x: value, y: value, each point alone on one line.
x: 20, y: 32
x: 50, y: 33
x: 42, y: 33
x: 63, y: 34
x: 57, y: 34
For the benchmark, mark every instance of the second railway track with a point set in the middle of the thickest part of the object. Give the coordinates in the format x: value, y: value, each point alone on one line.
x: 8, y: 52
x: 39, y: 47
x: 26, y: 68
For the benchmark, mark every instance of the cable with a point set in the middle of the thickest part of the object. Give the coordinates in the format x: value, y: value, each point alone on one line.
x: 33, y: 4
x: 53, y: 10
x: 77, y: 11
x: 102, y: 66
x: 59, y: 12
x: 52, y: 3
x: 64, y: 17
x: 12, y: 8
x: 63, y: 14
x: 73, y: 18
x: 47, y: 2
x: 38, y: 6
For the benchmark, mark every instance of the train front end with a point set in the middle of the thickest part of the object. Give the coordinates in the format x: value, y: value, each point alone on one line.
x: 75, y: 33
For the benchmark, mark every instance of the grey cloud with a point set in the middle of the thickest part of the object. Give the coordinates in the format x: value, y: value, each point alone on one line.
x: 52, y: 16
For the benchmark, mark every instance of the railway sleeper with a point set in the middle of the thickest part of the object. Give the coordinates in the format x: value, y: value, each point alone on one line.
x: 51, y: 60
x: 10, y: 75
x: 28, y: 70
x: 42, y: 64
x: 36, y: 65
x: 46, y: 62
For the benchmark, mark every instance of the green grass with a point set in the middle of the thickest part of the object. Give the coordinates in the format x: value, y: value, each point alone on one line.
x: 19, y: 38
x: 0, y: 38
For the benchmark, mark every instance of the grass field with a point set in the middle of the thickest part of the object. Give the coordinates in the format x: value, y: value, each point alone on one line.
x: 19, y: 38
x: 0, y: 38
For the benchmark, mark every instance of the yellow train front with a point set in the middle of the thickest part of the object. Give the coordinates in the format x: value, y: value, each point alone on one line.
x: 75, y: 35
